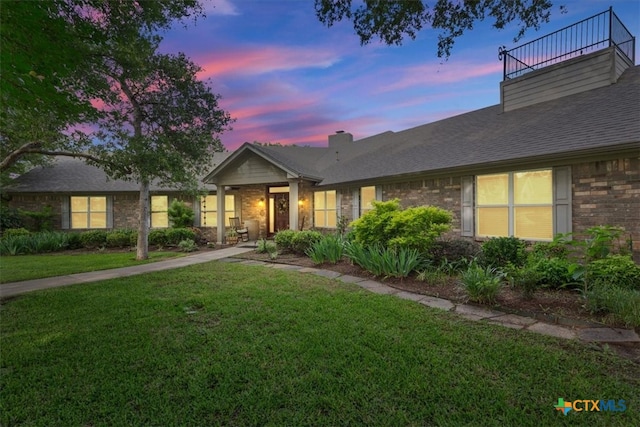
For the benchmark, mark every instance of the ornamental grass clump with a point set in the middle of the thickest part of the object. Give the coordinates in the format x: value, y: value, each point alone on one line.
x: 482, y: 284
x: 329, y: 249
x: 385, y: 262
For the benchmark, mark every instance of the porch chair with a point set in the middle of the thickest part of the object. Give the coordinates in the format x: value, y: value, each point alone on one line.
x: 242, y: 232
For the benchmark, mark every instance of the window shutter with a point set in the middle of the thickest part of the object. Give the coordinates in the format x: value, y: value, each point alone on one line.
x: 197, y: 202
x: 66, y: 216
x: 109, y: 211
x: 379, y: 193
x: 562, y: 200
x: 355, y: 203
x: 466, y: 206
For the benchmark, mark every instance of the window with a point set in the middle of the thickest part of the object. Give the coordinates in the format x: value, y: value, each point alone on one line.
x: 88, y: 212
x: 516, y: 204
x: 324, y: 209
x: 209, y: 209
x: 159, y: 208
x: 367, y: 195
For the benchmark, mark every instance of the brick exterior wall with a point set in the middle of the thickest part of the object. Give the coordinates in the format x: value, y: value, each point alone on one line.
x: 608, y: 193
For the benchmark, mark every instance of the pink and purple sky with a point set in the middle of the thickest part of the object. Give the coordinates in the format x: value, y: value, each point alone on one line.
x: 286, y: 78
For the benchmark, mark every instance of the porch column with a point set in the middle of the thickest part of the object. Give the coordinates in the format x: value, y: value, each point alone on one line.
x: 293, y: 204
x: 220, y: 214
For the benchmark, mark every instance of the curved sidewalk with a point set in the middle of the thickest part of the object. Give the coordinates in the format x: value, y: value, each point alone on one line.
x: 470, y: 312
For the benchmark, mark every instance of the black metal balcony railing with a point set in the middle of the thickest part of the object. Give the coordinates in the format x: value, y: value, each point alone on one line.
x: 589, y: 35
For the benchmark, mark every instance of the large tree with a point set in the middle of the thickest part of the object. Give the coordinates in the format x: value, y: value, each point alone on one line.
x: 394, y: 20
x: 160, y: 123
x: 49, y: 72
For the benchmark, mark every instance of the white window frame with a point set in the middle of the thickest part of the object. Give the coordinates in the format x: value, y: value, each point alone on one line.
x: 511, y: 205
x: 88, y: 212
x: 229, y: 208
x: 326, y: 211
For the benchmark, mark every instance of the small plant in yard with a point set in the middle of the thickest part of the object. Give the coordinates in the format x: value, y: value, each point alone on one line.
x: 330, y: 249
x: 527, y: 279
x: 623, y: 304
x: 617, y: 270
x: 482, y: 284
x: 176, y: 235
x: 385, y: 262
x: 265, y: 246
x: 284, y: 240
x: 187, y: 245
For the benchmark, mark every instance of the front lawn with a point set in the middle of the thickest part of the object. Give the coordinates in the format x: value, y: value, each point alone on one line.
x: 227, y: 344
x: 28, y: 267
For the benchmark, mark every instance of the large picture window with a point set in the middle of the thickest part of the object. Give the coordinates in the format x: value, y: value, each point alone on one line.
x: 325, y: 209
x: 88, y: 212
x: 159, y: 214
x: 516, y: 204
x: 209, y: 209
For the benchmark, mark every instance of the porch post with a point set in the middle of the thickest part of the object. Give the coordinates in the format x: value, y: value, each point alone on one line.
x: 293, y: 204
x: 220, y: 214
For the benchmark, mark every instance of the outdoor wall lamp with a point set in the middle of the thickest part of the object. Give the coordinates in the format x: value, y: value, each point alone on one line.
x: 261, y: 202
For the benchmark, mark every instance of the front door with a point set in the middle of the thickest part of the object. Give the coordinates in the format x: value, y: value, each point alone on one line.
x: 280, y: 211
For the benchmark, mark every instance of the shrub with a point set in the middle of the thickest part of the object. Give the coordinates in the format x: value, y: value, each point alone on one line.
x: 284, y: 240
x: 93, y: 238
x: 623, y: 304
x: 74, y: 240
x: 263, y: 245
x: 553, y: 272
x: 119, y: 238
x: 303, y: 240
x: 527, y: 279
x: 41, y: 220
x: 13, y: 245
x: 453, y: 251
x: 158, y: 237
x: 601, y: 240
x: 9, y: 218
x: 187, y: 245
x: 498, y: 252
x: 176, y: 235
x: 180, y: 214
x: 12, y: 232
x: 616, y: 270
x: 482, y: 284
x: 386, y: 224
x: 558, y: 248
x: 329, y: 249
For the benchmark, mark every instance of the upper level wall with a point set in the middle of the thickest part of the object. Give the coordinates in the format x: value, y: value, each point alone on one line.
x: 573, y: 76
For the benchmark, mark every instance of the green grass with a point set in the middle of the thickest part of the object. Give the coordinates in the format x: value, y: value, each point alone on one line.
x: 29, y: 267
x: 226, y: 344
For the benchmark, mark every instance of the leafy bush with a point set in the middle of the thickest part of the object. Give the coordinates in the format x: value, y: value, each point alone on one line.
x: 93, y: 238
x: 263, y: 245
x: 498, y: 252
x: 453, y: 251
x: 187, y: 245
x: 482, y: 284
x: 601, y: 240
x: 180, y: 214
x: 616, y: 270
x: 553, y: 272
x: 284, y: 240
x: 9, y: 218
x: 36, y: 243
x: 558, y: 248
x: 303, y: 240
x: 13, y: 245
x: 120, y: 238
x: 527, y: 279
x: 37, y: 221
x: 386, y: 224
x: 12, y: 232
x: 158, y: 237
x: 329, y: 249
x: 382, y: 261
x: 624, y: 304
x: 175, y: 235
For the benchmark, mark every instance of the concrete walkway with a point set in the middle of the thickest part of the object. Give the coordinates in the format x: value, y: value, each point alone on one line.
x: 471, y: 312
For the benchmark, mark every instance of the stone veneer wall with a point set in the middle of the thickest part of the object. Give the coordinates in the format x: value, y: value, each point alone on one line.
x: 608, y: 193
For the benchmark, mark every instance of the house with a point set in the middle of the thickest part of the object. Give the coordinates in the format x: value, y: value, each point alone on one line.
x: 560, y: 153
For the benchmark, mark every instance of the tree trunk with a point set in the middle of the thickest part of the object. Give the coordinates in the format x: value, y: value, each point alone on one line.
x: 144, y: 220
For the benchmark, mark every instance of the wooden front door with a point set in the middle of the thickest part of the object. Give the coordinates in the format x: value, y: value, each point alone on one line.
x: 280, y: 211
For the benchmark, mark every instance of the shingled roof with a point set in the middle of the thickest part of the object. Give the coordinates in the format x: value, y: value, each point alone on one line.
x: 592, y: 122
x: 70, y: 175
